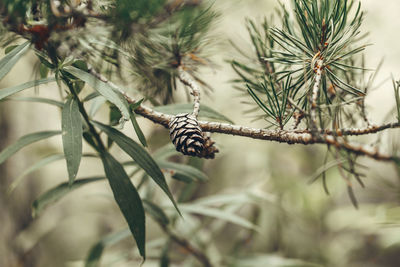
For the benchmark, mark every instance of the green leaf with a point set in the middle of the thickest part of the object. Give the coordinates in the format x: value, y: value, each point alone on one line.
x: 106, y: 90
x: 127, y: 198
x: 43, y: 71
x: 95, y: 253
x: 114, y: 115
x: 205, y: 111
x: 183, y: 172
x: 270, y: 260
x: 34, y: 167
x: 218, y: 214
x: 24, y: 141
x: 56, y: 193
x: 9, y: 60
x: 71, y: 123
x: 38, y: 100
x: 9, y: 49
x: 15, y: 89
x: 155, y: 212
x: 140, y: 156
x: 136, y: 126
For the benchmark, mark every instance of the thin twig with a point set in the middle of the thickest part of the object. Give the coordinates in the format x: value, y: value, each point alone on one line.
x: 298, y: 116
x: 314, y: 95
x: 185, y: 78
x: 371, y: 129
x: 197, y: 253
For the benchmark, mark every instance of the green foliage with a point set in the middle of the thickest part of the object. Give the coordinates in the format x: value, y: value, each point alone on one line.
x: 127, y: 198
x: 96, y: 251
x: 58, y: 192
x: 396, y: 87
x: 182, y: 40
x: 71, y: 126
x: 6, y: 92
x: 38, y: 165
x: 24, y: 141
x: 286, y: 59
x: 124, y: 13
x: 140, y: 156
x: 7, y: 62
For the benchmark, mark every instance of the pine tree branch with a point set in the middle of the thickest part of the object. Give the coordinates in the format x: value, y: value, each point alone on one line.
x: 314, y: 96
x: 371, y: 129
x: 185, y: 78
x: 304, y: 137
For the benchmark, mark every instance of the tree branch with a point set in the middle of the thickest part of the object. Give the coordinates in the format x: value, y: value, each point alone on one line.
x: 304, y: 137
x: 194, y: 89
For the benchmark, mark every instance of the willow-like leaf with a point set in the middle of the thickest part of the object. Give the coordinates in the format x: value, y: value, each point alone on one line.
x: 103, y: 88
x: 218, y: 214
x: 71, y: 123
x: 139, y: 155
x: 38, y: 100
x: 34, y: 167
x: 56, y: 193
x: 24, y: 141
x: 15, y: 89
x: 183, y: 172
x: 9, y: 60
x: 127, y: 198
x: 95, y: 253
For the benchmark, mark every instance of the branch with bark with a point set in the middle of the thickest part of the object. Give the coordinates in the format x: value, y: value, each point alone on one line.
x: 305, y: 137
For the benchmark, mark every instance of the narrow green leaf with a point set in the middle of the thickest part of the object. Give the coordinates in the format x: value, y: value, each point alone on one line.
x: 127, y: 198
x: 71, y: 123
x: 205, y: 111
x: 9, y: 49
x: 269, y: 260
x: 155, y: 212
x: 138, y: 131
x: 218, y: 214
x: 56, y: 193
x: 38, y: 100
x: 43, y: 71
x: 95, y: 253
x: 15, y: 89
x: 140, y: 156
x: 24, y: 141
x: 352, y: 196
x: 106, y: 90
x: 34, y: 167
x: 185, y: 172
x: 9, y: 60
x: 95, y: 105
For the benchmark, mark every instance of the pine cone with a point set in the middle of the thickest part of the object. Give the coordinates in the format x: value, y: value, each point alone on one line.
x: 186, y: 134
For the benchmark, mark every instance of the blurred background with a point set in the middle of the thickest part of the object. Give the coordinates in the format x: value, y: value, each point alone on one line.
x: 266, y: 184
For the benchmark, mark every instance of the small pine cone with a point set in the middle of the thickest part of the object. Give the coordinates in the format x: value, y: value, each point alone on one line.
x: 209, y: 149
x: 186, y: 134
